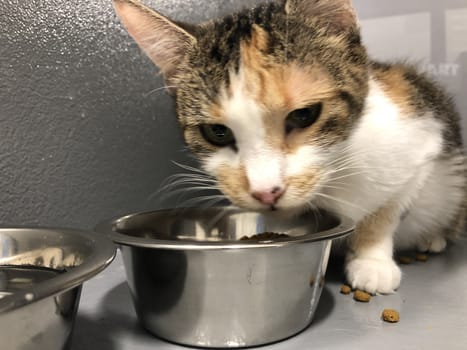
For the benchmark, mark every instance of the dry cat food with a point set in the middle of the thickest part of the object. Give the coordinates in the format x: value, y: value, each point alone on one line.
x: 388, y: 315
x: 265, y: 236
x: 391, y: 316
x: 405, y: 260
x: 345, y: 289
x: 421, y: 257
x: 360, y: 295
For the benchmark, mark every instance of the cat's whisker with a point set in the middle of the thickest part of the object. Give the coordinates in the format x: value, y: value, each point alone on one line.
x: 357, y: 173
x: 351, y: 159
x: 349, y: 154
x: 343, y: 155
x: 316, y: 213
x: 339, y: 188
x: 347, y: 176
x: 201, y: 199
x: 342, y: 160
x: 342, y: 201
x: 347, y: 168
x: 190, y: 168
x: 187, y: 190
x: 166, y: 88
x: 188, y: 186
x: 183, y: 183
x: 189, y: 177
x: 188, y: 180
x: 204, y: 201
x: 356, y: 163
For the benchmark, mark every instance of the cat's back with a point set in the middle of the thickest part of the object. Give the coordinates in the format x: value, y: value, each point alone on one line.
x: 419, y: 96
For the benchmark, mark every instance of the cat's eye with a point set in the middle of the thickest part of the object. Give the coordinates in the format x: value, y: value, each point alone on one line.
x: 218, y: 134
x: 303, y: 118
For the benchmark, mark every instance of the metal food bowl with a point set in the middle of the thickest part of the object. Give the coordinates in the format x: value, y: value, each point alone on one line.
x: 194, y: 282
x: 41, y: 274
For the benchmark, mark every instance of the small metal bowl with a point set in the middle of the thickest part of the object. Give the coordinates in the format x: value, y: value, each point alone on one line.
x: 194, y: 282
x: 41, y: 274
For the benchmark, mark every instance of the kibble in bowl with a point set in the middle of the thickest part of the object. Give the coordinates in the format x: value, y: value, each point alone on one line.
x: 264, y: 236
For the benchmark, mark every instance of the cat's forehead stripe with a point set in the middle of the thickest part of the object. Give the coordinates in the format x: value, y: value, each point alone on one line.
x: 285, y: 86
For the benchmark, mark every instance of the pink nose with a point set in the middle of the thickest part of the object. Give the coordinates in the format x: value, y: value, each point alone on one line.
x: 269, y: 197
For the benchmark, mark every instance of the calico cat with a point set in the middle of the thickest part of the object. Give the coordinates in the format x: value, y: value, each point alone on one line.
x: 282, y: 105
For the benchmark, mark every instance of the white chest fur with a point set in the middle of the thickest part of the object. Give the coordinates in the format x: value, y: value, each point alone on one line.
x: 388, y: 157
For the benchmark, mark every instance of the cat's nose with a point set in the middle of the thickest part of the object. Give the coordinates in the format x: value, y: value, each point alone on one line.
x: 269, y: 197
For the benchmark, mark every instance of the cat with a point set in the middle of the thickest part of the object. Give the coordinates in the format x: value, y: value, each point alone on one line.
x: 283, y: 106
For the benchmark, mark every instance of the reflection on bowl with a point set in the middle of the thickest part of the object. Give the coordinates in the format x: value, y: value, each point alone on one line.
x: 194, y: 282
x: 41, y: 274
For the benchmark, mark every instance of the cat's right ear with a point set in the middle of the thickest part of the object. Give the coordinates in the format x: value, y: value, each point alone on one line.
x: 339, y: 14
x: 162, y: 40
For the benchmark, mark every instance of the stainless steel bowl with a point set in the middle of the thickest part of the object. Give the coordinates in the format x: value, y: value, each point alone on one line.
x: 41, y: 274
x: 195, y: 283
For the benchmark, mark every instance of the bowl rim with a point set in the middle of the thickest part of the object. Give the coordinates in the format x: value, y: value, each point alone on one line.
x: 345, y: 227
x: 102, y: 254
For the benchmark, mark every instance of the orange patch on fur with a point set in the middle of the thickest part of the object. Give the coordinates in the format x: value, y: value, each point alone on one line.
x: 259, y: 38
x: 234, y: 183
x: 215, y: 111
x: 396, y: 87
x: 306, y: 86
x: 373, y: 228
x: 300, y: 185
x: 280, y: 88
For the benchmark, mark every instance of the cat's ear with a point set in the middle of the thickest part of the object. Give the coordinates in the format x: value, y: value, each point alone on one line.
x: 340, y: 14
x: 160, y: 38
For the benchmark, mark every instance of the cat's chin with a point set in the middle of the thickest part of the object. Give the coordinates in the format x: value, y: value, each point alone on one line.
x: 290, y: 212
x: 282, y: 212
x: 279, y: 211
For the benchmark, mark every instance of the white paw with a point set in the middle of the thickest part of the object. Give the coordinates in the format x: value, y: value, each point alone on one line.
x: 435, y: 244
x: 373, y: 275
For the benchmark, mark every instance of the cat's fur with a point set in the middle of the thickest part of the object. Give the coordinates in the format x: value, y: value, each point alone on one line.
x: 386, y: 149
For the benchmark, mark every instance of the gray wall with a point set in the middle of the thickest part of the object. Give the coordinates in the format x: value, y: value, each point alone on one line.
x: 82, y: 135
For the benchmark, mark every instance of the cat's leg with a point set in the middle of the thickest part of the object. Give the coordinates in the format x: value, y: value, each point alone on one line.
x: 370, y: 265
x: 432, y: 243
x: 436, y: 242
x: 453, y: 230
x: 438, y: 213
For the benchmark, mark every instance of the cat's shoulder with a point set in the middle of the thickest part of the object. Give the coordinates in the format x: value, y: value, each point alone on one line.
x: 405, y: 82
x: 417, y: 94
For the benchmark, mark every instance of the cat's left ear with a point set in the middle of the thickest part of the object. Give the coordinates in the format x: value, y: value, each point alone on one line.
x: 340, y: 14
x: 165, y: 42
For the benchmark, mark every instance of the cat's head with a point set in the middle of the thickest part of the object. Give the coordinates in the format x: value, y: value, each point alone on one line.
x: 266, y: 97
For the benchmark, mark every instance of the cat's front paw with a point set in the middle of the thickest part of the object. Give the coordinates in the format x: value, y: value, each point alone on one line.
x: 373, y: 275
x: 436, y: 244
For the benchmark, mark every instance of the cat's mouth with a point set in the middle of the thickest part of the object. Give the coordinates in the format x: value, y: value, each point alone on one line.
x: 282, y: 205
x: 284, y: 211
